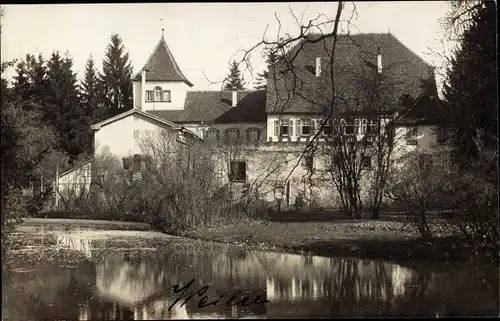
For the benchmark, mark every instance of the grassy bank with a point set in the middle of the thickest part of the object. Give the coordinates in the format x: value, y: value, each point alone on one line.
x: 387, y: 238
x: 327, y: 234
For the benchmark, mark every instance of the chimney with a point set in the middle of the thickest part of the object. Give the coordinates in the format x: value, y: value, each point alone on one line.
x: 235, y: 98
x: 318, y: 66
x: 379, y: 61
x: 143, y: 90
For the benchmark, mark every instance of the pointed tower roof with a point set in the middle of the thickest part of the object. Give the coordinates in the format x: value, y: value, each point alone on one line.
x: 161, y: 65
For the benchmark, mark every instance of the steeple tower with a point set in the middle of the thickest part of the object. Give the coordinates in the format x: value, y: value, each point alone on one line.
x: 162, y: 66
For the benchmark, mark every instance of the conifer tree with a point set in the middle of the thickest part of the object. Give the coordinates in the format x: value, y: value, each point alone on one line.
x: 261, y: 81
x: 90, y: 91
x: 116, y: 78
x: 63, y: 109
x: 470, y: 89
x: 30, y: 81
x: 234, y: 79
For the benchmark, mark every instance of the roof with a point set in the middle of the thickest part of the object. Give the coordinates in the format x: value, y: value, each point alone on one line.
x: 427, y: 110
x: 354, y: 70
x: 145, y: 114
x: 161, y: 66
x: 74, y: 168
x: 216, y: 107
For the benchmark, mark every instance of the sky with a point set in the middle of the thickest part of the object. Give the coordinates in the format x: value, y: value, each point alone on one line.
x: 204, y: 37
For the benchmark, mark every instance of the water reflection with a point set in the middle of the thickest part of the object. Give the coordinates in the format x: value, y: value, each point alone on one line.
x: 137, y: 285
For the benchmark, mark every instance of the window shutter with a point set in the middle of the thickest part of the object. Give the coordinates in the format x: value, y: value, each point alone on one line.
x: 258, y: 134
x: 227, y: 133
x: 313, y: 126
x: 247, y: 134
x: 276, y: 128
x: 290, y: 128
x: 148, y: 163
x: 237, y: 133
x: 299, y: 123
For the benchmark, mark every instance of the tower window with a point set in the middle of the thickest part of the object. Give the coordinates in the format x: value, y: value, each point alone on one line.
x: 158, y: 93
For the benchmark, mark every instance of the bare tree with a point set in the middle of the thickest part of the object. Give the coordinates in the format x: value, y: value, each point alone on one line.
x: 351, y: 99
x: 234, y: 157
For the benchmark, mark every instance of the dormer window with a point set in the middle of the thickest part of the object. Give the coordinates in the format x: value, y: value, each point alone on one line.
x: 158, y: 94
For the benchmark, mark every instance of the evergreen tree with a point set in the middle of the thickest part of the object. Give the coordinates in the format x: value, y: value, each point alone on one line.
x: 63, y: 108
x: 470, y: 90
x: 234, y: 79
x: 30, y: 81
x: 116, y: 78
x: 261, y: 82
x: 90, y: 90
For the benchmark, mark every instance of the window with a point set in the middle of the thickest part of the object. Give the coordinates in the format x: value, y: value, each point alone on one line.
x: 372, y: 125
x: 166, y: 96
x: 136, y: 133
x: 304, y: 126
x: 364, y: 125
x: 328, y: 128
x: 366, y: 162
x: 282, y: 128
x: 149, y: 95
x: 349, y: 126
x: 212, y: 134
x: 126, y: 163
x: 308, y: 162
x: 232, y: 134
x: 411, y: 135
x: 253, y: 134
x: 237, y: 171
x: 441, y: 134
x: 157, y: 93
x: 336, y: 161
x: 425, y: 161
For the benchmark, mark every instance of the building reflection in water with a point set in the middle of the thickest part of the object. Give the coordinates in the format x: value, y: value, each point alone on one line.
x: 137, y: 285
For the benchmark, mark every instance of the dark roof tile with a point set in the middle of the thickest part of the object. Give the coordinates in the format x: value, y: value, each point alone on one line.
x: 161, y: 66
x: 216, y: 107
x: 354, y: 65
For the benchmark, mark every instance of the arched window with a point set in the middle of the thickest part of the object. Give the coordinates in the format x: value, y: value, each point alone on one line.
x: 212, y: 134
x: 158, y: 93
x: 253, y: 134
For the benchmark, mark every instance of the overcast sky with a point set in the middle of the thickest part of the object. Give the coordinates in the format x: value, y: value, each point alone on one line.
x: 202, y: 37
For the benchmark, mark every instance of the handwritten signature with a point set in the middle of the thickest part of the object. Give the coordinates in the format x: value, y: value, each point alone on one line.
x: 203, y: 301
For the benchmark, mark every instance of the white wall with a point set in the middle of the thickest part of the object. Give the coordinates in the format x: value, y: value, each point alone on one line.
x: 177, y: 89
x: 75, y: 182
x: 426, y: 140
x: 118, y: 136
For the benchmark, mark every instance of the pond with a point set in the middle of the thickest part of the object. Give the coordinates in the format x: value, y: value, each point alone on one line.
x: 129, y: 280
